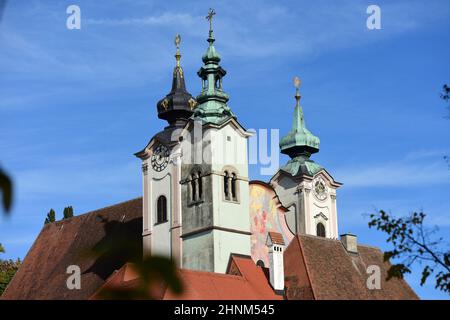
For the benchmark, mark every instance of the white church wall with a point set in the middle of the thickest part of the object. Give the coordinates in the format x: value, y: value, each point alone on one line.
x: 309, y: 207
x: 226, y: 243
x: 198, y: 252
x: 160, y: 185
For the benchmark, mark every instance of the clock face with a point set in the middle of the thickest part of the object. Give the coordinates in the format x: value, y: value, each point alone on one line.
x: 160, y: 158
x: 320, y: 189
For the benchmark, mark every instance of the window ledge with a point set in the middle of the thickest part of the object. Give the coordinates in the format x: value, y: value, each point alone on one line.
x: 194, y: 203
x: 162, y: 222
x: 231, y: 201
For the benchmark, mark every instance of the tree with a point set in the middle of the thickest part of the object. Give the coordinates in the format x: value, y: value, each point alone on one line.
x: 414, y: 244
x: 51, y: 216
x: 68, y: 212
x: 8, y: 269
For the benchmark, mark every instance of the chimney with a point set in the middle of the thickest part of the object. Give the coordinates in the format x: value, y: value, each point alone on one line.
x: 350, y: 242
x: 275, y: 243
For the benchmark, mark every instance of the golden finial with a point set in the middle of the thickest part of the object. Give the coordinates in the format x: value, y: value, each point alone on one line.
x: 178, y: 69
x: 177, y: 44
x: 177, y: 41
x: 297, y: 83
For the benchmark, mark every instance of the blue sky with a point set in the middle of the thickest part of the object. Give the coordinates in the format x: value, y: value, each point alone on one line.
x: 76, y: 104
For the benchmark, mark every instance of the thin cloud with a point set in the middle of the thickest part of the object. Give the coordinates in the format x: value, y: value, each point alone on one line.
x: 81, y: 177
x: 421, y: 168
x: 165, y: 19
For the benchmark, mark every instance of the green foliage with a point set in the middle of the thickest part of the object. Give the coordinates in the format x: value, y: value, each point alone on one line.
x: 51, y: 216
x: 6, y: 187
x: 8, y: 269
x: 413, y: 243
x: 2, y: 250
x: 68, y: 212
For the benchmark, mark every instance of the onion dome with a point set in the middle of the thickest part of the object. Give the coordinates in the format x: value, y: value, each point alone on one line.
x: 300, y: 143
x: 178, y: 105
x: 212, y: 101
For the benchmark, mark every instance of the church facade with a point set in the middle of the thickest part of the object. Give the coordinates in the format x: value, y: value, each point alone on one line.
x: 199, y: 205
x: 231, y: 237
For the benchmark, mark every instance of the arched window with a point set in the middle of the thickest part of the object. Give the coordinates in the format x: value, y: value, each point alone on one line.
x: 230, y: 184
x: 233, y: 186
x: 193, y: 187
x: 226, y: 189
x: 200, y: 186
x: 161, y: 209
x: 320, y: 230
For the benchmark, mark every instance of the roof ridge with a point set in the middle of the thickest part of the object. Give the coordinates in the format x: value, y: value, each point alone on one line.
x: 91, y: 212
x: 337, y: 240
x: 215, y: 274
x: 316, y: 237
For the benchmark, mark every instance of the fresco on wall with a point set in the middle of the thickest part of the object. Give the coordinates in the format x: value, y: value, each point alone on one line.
x: 265, y: 215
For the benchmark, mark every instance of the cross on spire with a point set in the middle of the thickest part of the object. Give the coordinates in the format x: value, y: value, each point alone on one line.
x: 209, y: 17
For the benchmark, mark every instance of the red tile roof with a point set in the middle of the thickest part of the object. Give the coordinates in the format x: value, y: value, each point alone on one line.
x: 63, y: 243
x: 315, y: 267
x: 247, y: 283
x: 320, y: 268
x: 276, y: 238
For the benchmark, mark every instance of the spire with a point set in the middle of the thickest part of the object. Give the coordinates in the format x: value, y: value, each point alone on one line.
x: 212, y: 100
x: 299, y: 143
x: 178, y: 104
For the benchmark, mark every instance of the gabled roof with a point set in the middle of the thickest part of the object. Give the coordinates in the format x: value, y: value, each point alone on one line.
x: 306, y: 175
x: 64, y: 243
x: 276, y: 238
x: 321, y: 268
x: 243, y: 281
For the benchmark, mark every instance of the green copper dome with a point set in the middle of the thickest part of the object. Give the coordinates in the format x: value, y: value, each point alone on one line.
x: 299, y: 141
x: 211, y: 55
x: 212, y: 101
x: 299, y: 144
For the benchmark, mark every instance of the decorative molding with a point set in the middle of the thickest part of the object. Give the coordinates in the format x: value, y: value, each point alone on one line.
x: 147, y: 233
x: 145, y: 168
x: 210, y: 228
x: 321, y: 215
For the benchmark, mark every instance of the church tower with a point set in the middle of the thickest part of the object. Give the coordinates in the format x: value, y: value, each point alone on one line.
x: 303, y: 186
x: 195, y: 174
x: 161, y: 168
x: 214, y: 183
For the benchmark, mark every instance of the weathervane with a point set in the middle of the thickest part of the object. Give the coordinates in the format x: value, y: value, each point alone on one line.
x: 297, y: 83
x: 209, y: 17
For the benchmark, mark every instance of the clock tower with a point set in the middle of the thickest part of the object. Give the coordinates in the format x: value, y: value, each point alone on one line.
x: 303, y: 186
x: 161, y: 169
